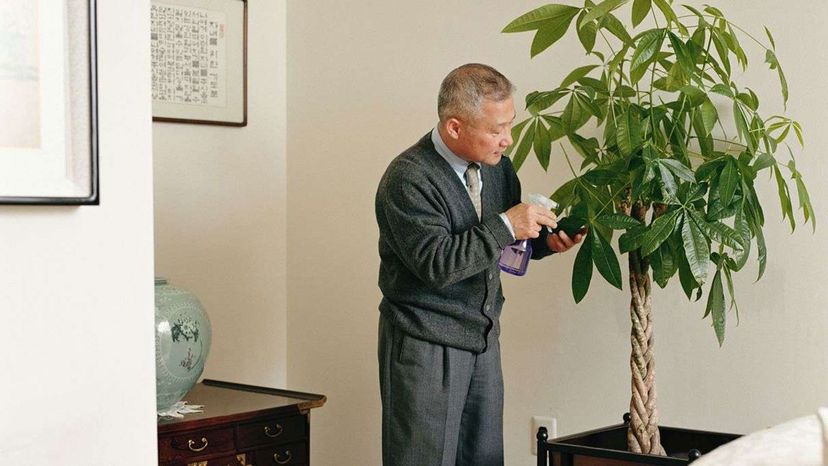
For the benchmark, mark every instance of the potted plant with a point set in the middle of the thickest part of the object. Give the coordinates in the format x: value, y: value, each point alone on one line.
x: 669, y: 148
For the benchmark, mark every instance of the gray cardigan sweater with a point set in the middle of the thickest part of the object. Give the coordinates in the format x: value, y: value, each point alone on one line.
x: 438, y: 273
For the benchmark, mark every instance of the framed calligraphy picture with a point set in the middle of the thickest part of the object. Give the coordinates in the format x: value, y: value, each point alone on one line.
x: 48, y: 102
x: 199, y: 61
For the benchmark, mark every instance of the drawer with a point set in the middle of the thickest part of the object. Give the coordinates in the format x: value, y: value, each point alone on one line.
x: 293, y: 454
x: 232, y: 460
x: 272, y: 431
x: 195, y: 444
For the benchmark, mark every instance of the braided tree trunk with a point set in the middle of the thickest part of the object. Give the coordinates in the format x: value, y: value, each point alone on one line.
x: 642, y: 435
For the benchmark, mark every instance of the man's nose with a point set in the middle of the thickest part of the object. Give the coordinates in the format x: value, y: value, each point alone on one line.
x: 507, y: 141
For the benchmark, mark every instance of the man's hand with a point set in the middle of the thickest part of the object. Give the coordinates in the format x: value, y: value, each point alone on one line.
x: 527, y: 220
x: 561, y: 242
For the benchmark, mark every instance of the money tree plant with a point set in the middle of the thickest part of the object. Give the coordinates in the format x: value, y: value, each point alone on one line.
x: 669, y: 149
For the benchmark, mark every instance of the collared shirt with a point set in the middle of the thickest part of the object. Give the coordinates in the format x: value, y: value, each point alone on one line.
x: 459, y: 166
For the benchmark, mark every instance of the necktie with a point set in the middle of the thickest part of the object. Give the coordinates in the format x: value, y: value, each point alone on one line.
x: 473, y: 183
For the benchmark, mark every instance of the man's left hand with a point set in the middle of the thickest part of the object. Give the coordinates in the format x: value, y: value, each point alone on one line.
x: 561, y: 242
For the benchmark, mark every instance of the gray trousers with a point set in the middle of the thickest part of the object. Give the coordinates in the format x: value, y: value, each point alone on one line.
x: 441, y: 406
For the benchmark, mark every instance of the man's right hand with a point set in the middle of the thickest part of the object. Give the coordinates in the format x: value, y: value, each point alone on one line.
x: 528, y: 219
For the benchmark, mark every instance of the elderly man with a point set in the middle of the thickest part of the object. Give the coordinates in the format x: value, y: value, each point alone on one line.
x: 446, y: 207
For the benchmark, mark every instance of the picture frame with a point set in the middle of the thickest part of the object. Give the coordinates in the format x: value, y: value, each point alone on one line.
x: 199, y: 61
x: 48, y: 103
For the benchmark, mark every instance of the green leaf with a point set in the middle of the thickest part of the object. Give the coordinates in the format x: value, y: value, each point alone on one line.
x: 603, y: 177
x: 715, y: 306
x: 695, y: 249
x: 640, y: 10
x: 577, y: 74
x: 648, y: 45
x: 749, y: 100
x: 628, y: 132
x: 798, y: 130
x: 679, y: 169
x: 588, y: 148
x: 631, y: 240
x: 682, y: 54
x: 602, y: 9
x: 551, y: 31
x: 540, y: 16
x: 713, y: 11
x: 718, y: 231
x: 695, y: 96
x: 542, y: 100
x: 668, y: 182
x: 764, y: 161
x: 668, y: 12
x: 565, y: 194
x: 722, y: 90
x: 659, y: 231
x: 728, y: 181
x: 708, y: 116
x: 575, y: 114
x: 770, y: 37
x: 697, y: 13
x: 743, y: 229
x: 688, y: 283
x: 586, y: 32
x: 516, y: 130
x: 770, y: 58
x: 582, y: 270
x: 730, y: 291
x: 605, y: 261
x: 676, y: 78
x: 722, y: 50
x: 802, y: 194
x: 663, y: 264
x: 616, y: 28
x: 524, y: 146
x: 556, y: 130
x: 763, y: 251
x: 742, y: 127
x: 784, y: 197
x: 618, y: 221
x: 542, y: 145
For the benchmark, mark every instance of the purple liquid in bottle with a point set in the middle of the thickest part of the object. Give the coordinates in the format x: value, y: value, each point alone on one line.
x: 515, y: 257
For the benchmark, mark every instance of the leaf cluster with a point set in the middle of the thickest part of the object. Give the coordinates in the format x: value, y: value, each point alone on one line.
x: 648, y: 119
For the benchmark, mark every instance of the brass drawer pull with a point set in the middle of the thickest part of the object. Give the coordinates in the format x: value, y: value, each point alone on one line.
x: 191, y: 445
x: 273, y: 433
x: 287, y: 459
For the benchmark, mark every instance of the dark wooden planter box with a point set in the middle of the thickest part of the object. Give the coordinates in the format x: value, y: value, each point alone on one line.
x: 608, y: 447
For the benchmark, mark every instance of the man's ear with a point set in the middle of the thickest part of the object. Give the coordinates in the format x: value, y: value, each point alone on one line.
x: 453, y: 128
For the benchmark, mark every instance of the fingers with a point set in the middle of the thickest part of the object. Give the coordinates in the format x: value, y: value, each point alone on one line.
x: 527, y: 220
x: 544, y: 216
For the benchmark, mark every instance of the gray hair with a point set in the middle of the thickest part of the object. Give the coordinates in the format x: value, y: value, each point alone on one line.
x: 464, y: 88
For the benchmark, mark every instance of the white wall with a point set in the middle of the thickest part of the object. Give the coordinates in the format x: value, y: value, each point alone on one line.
x: 76, y: 339
x: 362, y: 84
x: 220, y: 202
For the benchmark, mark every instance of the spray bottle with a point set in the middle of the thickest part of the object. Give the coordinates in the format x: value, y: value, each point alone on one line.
x: 515, y: 258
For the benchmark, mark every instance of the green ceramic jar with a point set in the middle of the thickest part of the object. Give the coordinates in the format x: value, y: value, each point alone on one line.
x: 182, y: 342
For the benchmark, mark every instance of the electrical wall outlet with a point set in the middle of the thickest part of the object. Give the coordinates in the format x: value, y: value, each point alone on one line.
x: 551, y: 424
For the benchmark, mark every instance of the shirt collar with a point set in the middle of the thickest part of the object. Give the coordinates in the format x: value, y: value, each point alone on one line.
x: 457, y: 164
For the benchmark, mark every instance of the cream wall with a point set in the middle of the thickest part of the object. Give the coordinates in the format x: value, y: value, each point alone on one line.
x: 220, y: 203
x: 76, y: 339
x: 362, y: 80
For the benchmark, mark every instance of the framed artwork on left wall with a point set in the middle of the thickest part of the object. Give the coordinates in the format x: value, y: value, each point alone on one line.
x: 48, y: 103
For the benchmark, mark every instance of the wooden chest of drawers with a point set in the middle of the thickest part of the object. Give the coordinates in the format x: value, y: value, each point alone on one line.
x: 242, y: 425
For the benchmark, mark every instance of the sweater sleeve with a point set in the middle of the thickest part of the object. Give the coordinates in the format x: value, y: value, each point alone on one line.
x: 417, y: 216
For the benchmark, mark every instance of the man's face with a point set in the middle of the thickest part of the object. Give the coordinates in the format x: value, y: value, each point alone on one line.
x: 484, y: 139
